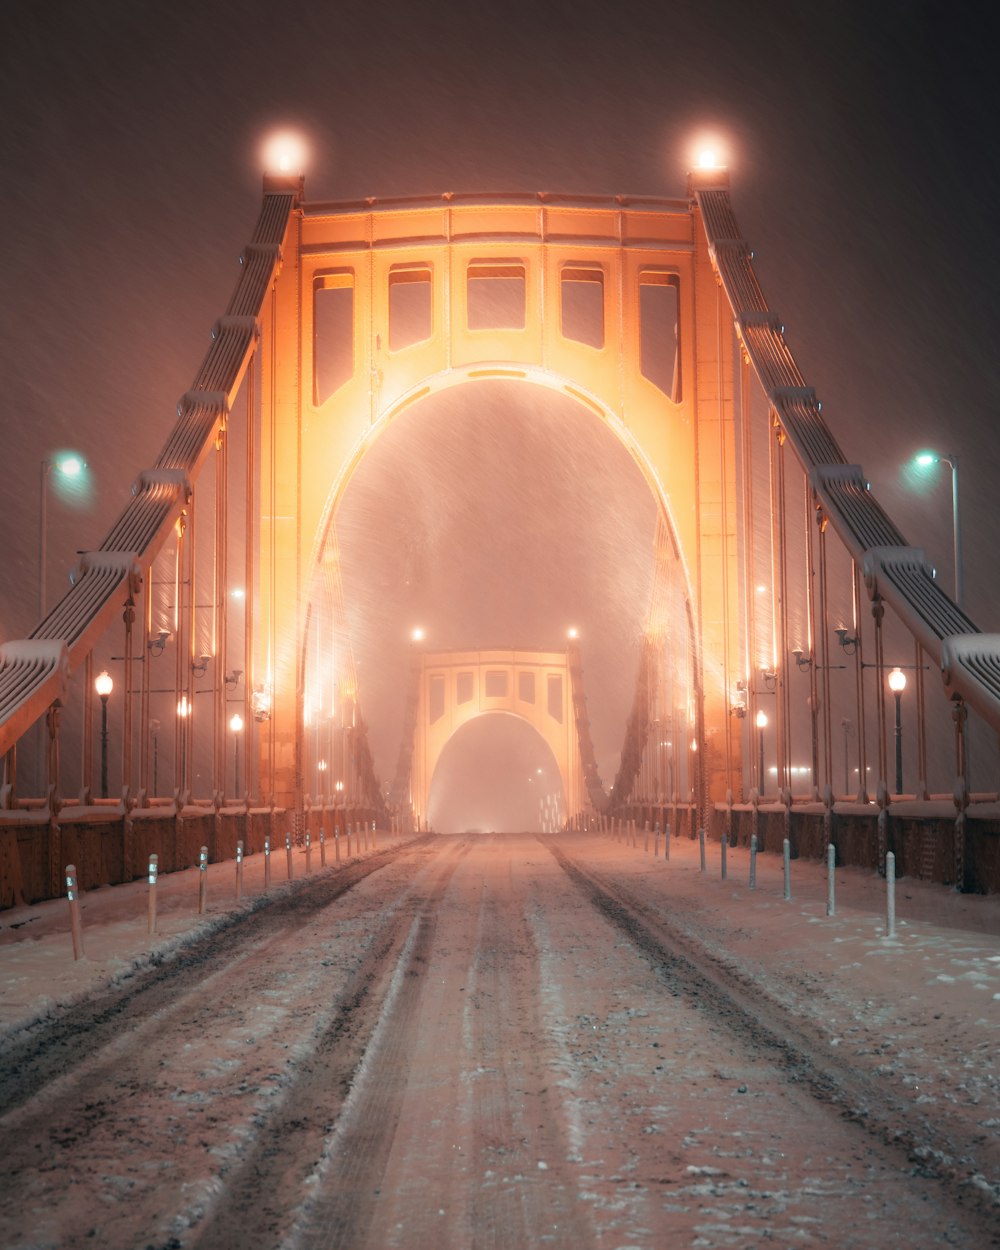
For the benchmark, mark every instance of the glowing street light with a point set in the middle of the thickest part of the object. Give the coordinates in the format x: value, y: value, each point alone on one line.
x: 236, y: 725
x: 761, y: 726
x: 104, y: 685
x: 897, y: 684
x: 924, y: 461
x: 69, y: 466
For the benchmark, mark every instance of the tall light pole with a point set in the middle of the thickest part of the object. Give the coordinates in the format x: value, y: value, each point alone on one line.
x: 897, y: 684
x: 761, y: 726
x: 69, y: 466
x: 236, y: 725
x: 104, y: 685
x: 154, y: 729
x: 925, y: 459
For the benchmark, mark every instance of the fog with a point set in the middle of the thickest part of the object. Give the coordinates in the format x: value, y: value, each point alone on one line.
x: 497, y: 515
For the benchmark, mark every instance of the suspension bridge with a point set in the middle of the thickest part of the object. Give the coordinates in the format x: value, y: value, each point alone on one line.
x: 196, y: 684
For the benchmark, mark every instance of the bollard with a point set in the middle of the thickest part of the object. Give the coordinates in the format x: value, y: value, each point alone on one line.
x: 890, y: 894
x: 831, y: 863
x: 348, y: 839
x: 666, y: 840
x: 336, y: 843
x: 725, y: 846
x: 239, y: 870
x: 202, y: 880
x: 753, y: 861
x: 308, y: 854
x: 786, y: 855
x: 374, y: 836
x: 75, y: 923
x: 656, y: 840
x: 322, y: 848
x: 267, y: 863
x: 153, y: 868
x: 288, y: 854
x: 701, y: 847
x: 645, y: 837
x: 634, y: 824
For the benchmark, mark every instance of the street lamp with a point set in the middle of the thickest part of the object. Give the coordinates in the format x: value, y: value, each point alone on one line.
x: 236, y: 725
x: 104, y: 685
x: 154, y: 729
x: 761, y: 726
x: 897, y: 684
x: 70, y: 466
x: 924, y: 460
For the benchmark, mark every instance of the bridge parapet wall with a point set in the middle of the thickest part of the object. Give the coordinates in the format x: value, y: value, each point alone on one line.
x: 109, y: 849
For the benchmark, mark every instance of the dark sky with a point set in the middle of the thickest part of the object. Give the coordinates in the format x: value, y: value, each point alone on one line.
x: 864, y: 170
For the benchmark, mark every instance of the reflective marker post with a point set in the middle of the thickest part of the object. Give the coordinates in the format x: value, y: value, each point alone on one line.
x: 288, y: 854
x: 831, y: 863
x: 75, y: 923
x: 239, y: 870
x: 153, y: 868
x: 308, y: 854
x: 753, y: 862
x: 322, y: 848
x: 890, y: 895
x: 267, y: 863
x: 786, y: 854
x: 202, y: 879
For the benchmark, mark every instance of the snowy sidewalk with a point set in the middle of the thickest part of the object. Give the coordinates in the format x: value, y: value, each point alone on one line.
x: 37, y: 969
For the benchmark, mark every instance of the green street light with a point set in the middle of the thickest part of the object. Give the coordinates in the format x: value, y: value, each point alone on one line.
x: 926, y: 460
x: 69, y: 466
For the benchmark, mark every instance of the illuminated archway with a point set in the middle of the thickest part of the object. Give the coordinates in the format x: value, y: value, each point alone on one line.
x: 540, y: 260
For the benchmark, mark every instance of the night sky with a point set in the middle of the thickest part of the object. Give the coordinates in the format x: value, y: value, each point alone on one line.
x: 864, y: 170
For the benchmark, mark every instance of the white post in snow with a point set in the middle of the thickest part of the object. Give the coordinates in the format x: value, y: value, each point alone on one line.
x: 753, y: 862
x: 202, y: 880
x: 786, y: 851
x: 831, y: 863
x: 308, y: 854
x: 336, y: 843
x: 890, y: 895
x: 288, y: 854
x: 75, y: 923
x: 701, y: 847
x: 239, y: 871
x: 666, y: 840
x: 267, y: 863
x: 153, y: 867
x: 322, y: 848
x: 725, y: 844
x: 656, y: 840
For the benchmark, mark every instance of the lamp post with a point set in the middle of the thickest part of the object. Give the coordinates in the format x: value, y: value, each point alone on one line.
x: 154, y: 729
x: 236, y: 725
x: 69, y: 466
x: 925, y: 459
x: 104, y: 685
x: 761, y: 726
x: 897, y: 684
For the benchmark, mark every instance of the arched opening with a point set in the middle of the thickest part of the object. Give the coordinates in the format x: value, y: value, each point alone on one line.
x: 496, y: 774
x: 494, y: 514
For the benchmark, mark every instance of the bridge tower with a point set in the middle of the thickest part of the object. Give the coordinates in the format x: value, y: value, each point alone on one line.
x: 612, y: 301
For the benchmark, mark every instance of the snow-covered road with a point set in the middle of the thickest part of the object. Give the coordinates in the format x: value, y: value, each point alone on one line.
x: 508, y: 1042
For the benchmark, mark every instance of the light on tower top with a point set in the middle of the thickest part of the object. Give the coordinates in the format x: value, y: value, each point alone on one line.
x: 708, y: 158
x: 284, y: 152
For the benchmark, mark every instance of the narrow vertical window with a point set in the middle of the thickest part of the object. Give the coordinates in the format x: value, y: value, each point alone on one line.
x: 411, y: 309
x: 496, y: 294
x: 464, y: 688
x: 659, y: 327
x: 333, y: 333
x: 526, y: 687
x: 583, y: 305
